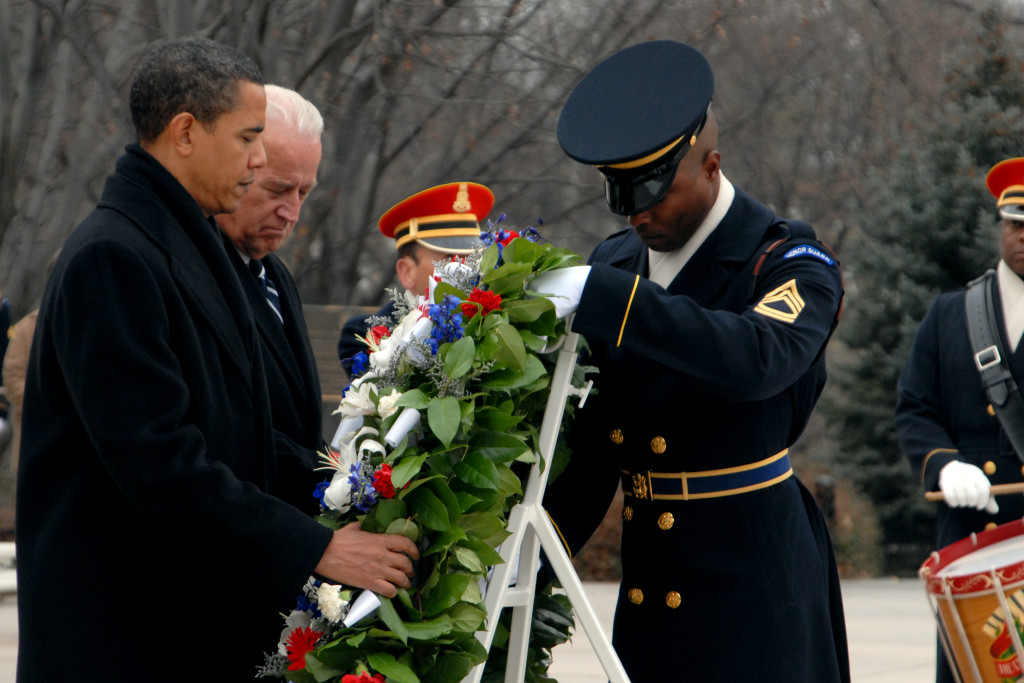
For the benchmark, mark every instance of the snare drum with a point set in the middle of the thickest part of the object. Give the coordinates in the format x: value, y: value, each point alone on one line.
x: 972, y: 586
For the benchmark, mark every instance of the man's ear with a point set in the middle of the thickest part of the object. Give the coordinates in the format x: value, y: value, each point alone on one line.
x: 406, y: 269
x: 180, y: 131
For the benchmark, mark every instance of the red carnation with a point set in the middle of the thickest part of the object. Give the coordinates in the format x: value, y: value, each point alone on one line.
x: 300, y: 642
x: 378, y: 333
x: 507, y: 237
x: 489, y: 301
x: 362, y: 678
x: 382, y: 482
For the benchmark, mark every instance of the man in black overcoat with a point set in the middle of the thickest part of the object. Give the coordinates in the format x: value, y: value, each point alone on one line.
x: 267, y: 216
x: 947, y: 427
x: 710, y: 362
x: 151, y: 541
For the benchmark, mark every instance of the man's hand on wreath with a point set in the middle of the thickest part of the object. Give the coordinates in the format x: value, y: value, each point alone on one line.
x: 380, y: 562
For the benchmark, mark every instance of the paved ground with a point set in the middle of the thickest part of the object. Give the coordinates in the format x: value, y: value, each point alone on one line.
x: 889, y: 622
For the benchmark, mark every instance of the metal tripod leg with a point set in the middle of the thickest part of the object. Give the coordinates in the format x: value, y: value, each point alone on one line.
x: 531, y: 530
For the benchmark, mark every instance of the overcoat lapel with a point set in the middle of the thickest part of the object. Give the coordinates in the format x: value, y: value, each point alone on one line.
x: 197, y: 259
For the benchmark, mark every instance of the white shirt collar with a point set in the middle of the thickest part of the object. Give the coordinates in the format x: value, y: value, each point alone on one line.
x: 665, y: 265
x: 1011, y: 291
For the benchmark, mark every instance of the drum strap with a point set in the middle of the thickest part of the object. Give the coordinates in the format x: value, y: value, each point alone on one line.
x: 991, y: 361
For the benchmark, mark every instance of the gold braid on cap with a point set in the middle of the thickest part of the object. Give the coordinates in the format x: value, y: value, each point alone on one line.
x: 1014, y: 194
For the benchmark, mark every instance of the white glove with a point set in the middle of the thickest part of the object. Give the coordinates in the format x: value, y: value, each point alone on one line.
x: 563, y: 286
x: 965, y: 485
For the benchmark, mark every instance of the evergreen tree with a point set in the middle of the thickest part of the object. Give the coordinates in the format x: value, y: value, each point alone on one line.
x: 931, y: 227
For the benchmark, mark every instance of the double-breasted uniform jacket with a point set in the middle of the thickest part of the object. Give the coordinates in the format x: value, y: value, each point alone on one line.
x: 292, y: 379
x: 942, y: 414
x: 707, y: 376
x: 149, y: 534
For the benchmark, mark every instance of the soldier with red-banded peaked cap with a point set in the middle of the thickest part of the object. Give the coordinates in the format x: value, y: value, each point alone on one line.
x: 432, y: 225
x: 1006, y: 183
x: 708, y: 318
x: 445, y: 218
x: 948, y: 428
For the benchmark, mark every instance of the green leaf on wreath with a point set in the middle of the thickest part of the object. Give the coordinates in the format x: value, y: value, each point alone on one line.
x: 458, y: 359
x: 414, y: 398
x: 449, y: 590
x: 443, y: 289
x: 405, y: 470
x: 498, y: 447
x: 508, y: 280
x: 508, y: 379
x: 428, y: 509
x: 484, y: 526
x: 404, y: 527
x: 478, y: 470
x: 488, y: 555
x: 445, y: 494
x: 443, y: 415
x: 430, y: 629
x: 388, y: 510
x: 392, y: 669
x: 511, y: 352
x: 469, y: 559
x: 390, y: 617
x: 489, y: 417
x: 441, y: 542
x: 467, y: 618
x: 527, y: 310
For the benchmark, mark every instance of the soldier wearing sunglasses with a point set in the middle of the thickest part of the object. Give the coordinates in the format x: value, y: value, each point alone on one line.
x: 707, y: 318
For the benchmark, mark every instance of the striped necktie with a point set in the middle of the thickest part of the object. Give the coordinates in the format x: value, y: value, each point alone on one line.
x: 267, y: 287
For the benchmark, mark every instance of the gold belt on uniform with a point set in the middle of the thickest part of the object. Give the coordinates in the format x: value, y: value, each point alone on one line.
x: 729, y: 481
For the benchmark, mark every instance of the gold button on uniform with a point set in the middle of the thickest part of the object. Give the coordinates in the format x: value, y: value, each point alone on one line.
x: 666, y: 521
x: 658, y: 445
x: 990, y: 410
x: 636, y: 596
x: 989, y: 467
x: 673, y: 599
x: 615, y: 436
x: 990, y: 526
x: 627, y: 513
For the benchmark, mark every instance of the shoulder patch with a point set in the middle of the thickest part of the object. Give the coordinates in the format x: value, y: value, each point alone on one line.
x: 811, y: 251
x: 783, y: 303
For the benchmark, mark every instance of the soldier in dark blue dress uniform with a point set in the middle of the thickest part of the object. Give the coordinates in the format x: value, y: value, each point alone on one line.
x: 947, y: 427
x: 710, y: 358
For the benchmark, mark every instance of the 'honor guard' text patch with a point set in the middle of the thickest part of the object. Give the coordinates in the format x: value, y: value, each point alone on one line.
x: 808, y: 250
x: 782, y: 303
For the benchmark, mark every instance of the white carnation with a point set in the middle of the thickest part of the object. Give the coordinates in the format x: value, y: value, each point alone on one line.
x: 328, y: 596
x: 386, y: 404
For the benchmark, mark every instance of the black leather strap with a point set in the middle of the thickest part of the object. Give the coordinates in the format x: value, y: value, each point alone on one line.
x: 991, y: 361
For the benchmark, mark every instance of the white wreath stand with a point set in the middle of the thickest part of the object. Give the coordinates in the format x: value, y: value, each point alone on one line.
x: 532, y: 530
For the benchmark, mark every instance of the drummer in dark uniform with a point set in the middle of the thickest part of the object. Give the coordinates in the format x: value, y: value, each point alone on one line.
x: 711, y: 359
x: 947, y: 426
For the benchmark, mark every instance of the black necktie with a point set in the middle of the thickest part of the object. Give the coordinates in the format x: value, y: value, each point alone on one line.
x: 267, y: 287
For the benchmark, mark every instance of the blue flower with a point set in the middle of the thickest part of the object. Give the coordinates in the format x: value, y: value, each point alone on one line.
x: 447, y: 319
x: 318, y: 492
x: 359, y: 363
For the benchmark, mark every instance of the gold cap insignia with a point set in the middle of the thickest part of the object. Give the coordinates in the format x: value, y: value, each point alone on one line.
x: 462, y: 204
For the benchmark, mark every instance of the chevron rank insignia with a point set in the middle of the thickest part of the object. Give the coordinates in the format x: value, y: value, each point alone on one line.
x: 783, y: 303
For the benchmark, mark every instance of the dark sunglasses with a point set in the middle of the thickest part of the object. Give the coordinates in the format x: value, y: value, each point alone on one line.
x: 628, y: 192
